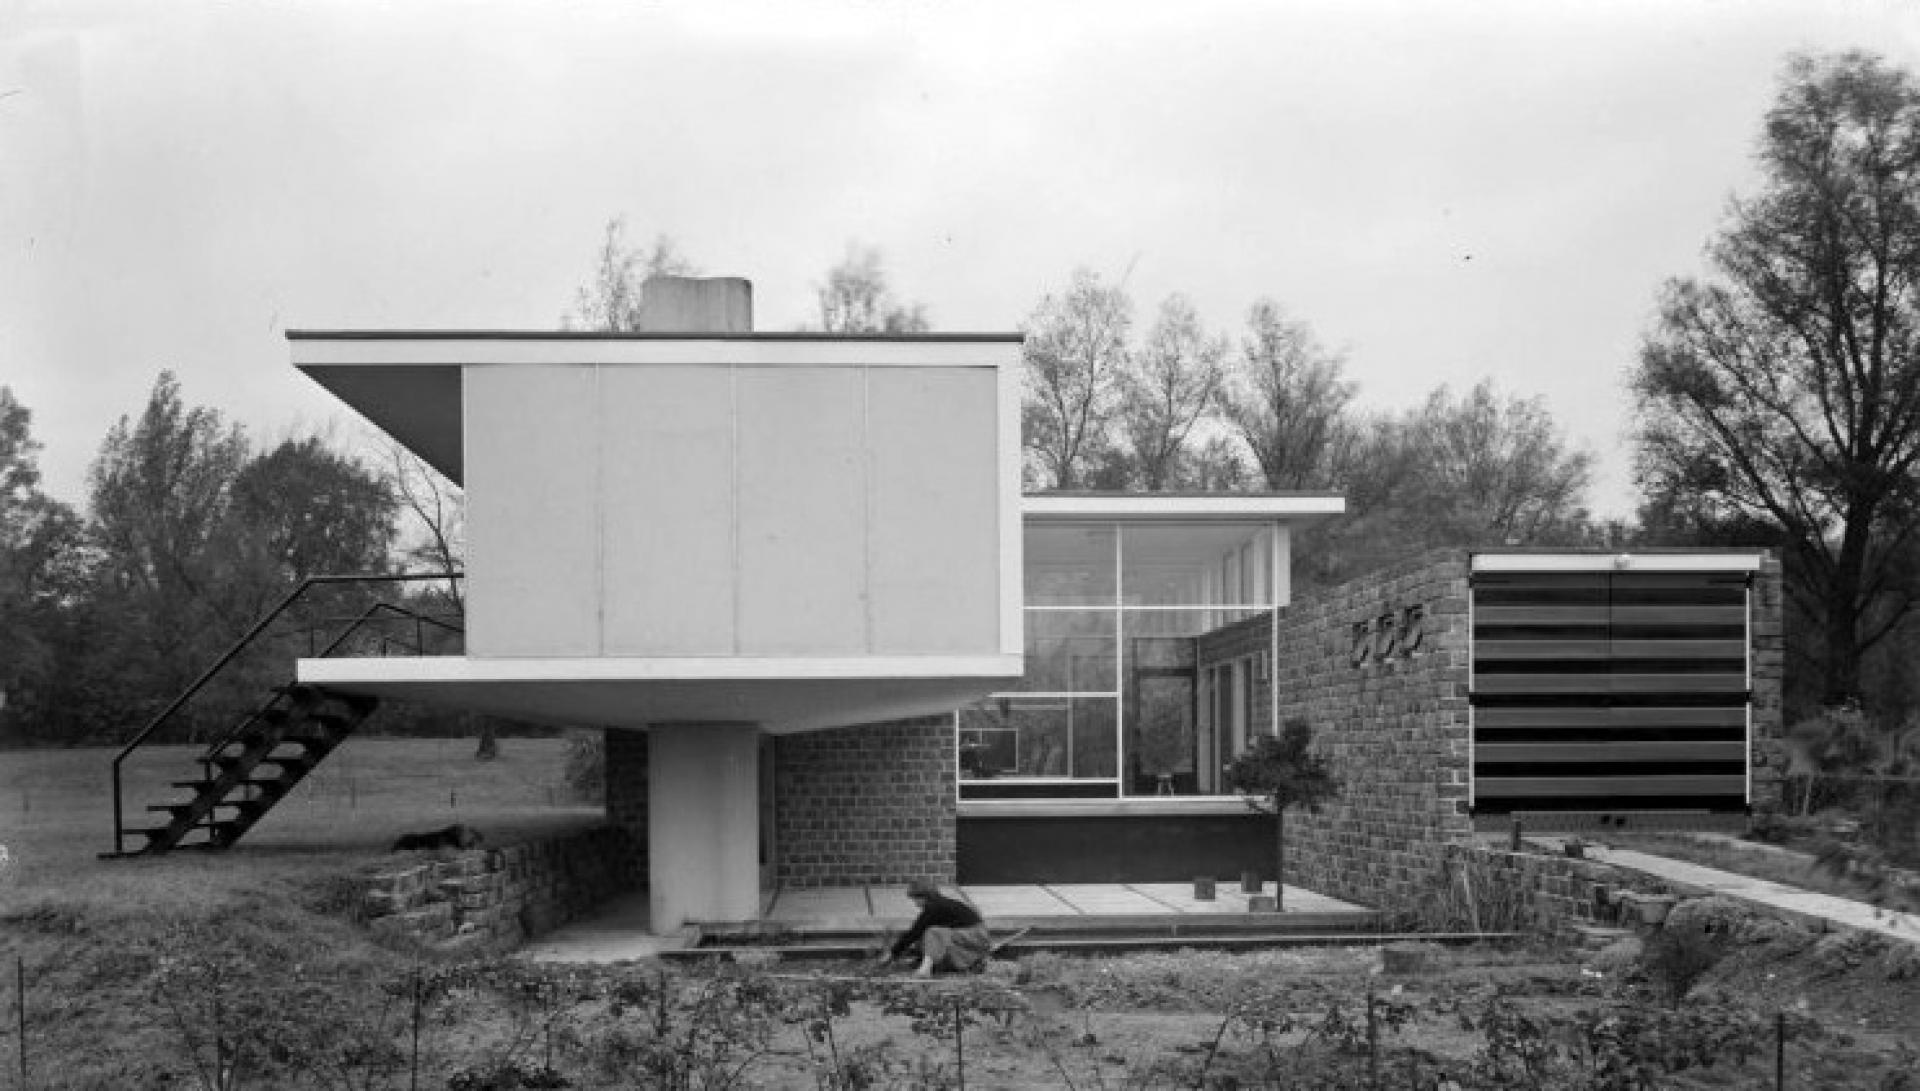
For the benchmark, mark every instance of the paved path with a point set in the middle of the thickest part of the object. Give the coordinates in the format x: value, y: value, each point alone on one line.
x: 1806, y: 905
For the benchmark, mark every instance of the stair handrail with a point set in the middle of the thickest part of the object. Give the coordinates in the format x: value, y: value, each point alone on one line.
x: 353, y: 626
x: 232, y: 652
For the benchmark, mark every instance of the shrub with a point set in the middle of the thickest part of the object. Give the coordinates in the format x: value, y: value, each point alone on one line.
x: 586, y: 772
x: 1680, y: 954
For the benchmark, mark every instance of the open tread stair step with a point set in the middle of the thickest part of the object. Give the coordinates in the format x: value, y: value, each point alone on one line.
x: 293, y: 738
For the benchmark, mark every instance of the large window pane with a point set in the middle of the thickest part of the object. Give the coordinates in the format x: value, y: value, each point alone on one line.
x: 1038, y: 737
x: 1070, y: 565
x: 1192, y: 564
x: 1189, y: 686
x: 1070, y: 651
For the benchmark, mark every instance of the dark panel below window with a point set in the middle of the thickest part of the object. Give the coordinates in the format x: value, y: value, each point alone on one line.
x: 1113, y: 849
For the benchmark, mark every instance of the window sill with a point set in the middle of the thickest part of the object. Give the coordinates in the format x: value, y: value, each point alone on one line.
x: 1133, y: 805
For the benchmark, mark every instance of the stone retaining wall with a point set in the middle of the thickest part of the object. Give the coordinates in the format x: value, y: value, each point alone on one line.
x: 1540, y: 891
x: 482, y: 898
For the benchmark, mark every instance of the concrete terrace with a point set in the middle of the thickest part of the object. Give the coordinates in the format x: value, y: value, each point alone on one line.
x: 619, y: 931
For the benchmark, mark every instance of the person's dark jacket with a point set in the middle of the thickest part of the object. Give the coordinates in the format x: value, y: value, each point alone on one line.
x: 939, y: 911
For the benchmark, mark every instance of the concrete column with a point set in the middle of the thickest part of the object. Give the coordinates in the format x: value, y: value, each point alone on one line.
x: 703, y: 823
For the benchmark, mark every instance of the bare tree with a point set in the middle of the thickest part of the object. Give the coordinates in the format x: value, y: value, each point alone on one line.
x: 611, y: 300
x: 1288, y: 399
x: 437, y: 510
x: 1170, y: 384
x: 1076, y: 349
x: 857, y: 299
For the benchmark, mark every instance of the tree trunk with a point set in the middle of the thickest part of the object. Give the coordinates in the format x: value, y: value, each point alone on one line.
x: 1840, y: 682
x: 489, y: 746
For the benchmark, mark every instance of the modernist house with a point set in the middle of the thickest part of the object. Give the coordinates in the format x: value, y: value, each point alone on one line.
x: 794, y: 579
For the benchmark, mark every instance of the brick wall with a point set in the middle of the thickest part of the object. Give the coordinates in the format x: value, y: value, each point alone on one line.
x: 867, y: 804
x: 1547, y: 893
x: 1395, y: 728
x: 1769, y: 638
x: 625, y: 769
x: 495, y: 898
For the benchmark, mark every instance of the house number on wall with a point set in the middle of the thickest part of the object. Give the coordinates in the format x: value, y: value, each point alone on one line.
x: 1396, y: 632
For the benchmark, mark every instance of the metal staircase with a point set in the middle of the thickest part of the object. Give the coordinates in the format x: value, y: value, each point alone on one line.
x: 244, y: 772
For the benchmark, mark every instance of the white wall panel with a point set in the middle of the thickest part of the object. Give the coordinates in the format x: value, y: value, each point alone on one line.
x: 934, y: 534
x: 667, y: 490
x: 802, y: 511
x: 533, y: 538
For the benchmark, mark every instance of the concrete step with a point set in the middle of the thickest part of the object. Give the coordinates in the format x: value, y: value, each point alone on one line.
x: 1595, y: 937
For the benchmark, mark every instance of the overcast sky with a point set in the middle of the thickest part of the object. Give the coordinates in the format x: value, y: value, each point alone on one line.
x: 1448, y: 191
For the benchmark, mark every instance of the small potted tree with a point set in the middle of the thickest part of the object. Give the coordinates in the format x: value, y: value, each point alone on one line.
x: 1276, y: 773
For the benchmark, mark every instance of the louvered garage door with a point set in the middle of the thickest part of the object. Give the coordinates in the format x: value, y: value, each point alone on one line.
x: 1609, y: 692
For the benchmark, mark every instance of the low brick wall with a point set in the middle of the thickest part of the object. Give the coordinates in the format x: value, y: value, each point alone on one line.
x: 867, y: 804
x: 1546, y: 892
x: 497, y: 897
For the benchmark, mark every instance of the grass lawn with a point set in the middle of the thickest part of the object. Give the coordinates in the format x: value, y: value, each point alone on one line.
x: 93, y: 936
x: 56, y: 815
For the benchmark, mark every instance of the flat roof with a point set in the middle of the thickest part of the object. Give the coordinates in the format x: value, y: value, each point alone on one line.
x: 636, y: 335
x: 1180, y: 507
x: 1616, y: 560
x: 408, y: 382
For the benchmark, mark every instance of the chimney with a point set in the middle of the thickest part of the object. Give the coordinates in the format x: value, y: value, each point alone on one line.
x: 696, y: 305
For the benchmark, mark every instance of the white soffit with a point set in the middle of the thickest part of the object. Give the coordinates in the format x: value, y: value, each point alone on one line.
x: 782, y: 695
x: 407, y: 383
x: 1718, y: 561
x: 1151, y: 507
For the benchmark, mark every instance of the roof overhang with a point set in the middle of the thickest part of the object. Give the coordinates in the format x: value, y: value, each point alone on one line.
x: 1180, y: 507
x: 1548, y: 561
x: 781, y: 695
x: 408, y: 382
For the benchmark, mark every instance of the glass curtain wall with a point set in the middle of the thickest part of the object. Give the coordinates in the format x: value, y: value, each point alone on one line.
x: 1142, y: 663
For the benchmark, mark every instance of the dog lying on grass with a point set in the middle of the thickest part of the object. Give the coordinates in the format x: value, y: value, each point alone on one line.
x: 455, y: 836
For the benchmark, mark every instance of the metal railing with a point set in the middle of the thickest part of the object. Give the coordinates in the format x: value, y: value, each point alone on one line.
x: 421, y: 622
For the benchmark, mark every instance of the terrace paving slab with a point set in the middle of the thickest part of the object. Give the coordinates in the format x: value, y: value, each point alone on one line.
x: 619, y: 930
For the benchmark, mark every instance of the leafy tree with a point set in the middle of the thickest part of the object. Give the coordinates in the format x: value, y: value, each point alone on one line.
x: 1470, y: 470
x: 1075, y: 352
x: 1493, y: 470
x: 611, y: 300
x: 1276, y: 773
x: 1169, y: 385
x: 160, y: 494
x: 309, y: 511
x: 857, y: 299
x: 1287, y: 400
x: 1217, y: 466
x: 40, y: 548
x: 1785, y: 386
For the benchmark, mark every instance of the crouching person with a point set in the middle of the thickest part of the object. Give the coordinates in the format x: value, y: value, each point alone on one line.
x: 947, y: 935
